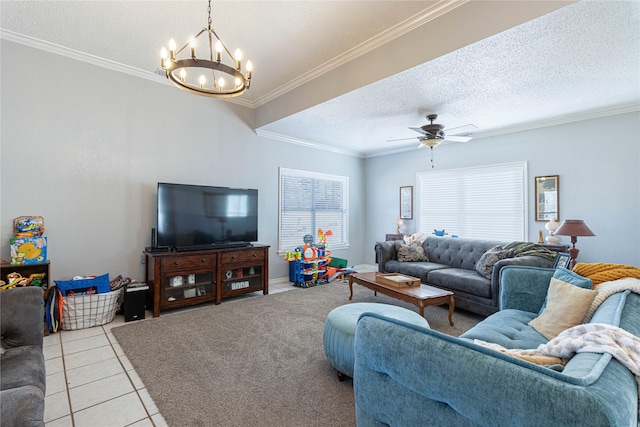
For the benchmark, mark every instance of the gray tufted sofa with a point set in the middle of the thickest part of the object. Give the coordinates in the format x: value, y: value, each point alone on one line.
x: 22, y: 366
x: 451, y: 266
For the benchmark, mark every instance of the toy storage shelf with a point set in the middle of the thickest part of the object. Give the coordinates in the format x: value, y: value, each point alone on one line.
x: 25, y: 270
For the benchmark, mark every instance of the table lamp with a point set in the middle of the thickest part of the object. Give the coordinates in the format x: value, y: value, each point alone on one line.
x: 573, y: 228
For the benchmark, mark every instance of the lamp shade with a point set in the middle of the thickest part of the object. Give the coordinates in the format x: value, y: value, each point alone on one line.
x: 573, y: 227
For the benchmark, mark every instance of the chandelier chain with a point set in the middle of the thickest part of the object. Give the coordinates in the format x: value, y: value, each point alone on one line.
x: 209, y: 10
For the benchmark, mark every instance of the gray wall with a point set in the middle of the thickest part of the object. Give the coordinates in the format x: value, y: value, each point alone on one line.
x: 599, y: 166
x: 85, y: 146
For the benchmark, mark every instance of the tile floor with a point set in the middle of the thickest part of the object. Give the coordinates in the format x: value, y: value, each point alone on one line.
x: 90, y: 382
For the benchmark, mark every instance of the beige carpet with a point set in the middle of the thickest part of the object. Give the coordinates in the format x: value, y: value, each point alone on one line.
x: 255, y: 361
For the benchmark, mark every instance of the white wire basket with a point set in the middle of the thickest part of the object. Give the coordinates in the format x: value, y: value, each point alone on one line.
x: 87, y: 311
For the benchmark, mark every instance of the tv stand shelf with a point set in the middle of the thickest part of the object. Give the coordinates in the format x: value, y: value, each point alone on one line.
x: 179, y: 279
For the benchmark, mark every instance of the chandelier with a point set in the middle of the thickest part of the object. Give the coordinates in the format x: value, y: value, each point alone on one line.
x: 215, y: 79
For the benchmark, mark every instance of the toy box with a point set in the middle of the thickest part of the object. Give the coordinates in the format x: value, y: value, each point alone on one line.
x: 28, y: 250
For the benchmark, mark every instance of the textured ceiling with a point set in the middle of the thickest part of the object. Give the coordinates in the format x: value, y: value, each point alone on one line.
x: 578, y: 61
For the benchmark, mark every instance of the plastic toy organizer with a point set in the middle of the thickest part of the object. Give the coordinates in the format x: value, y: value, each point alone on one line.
x: 308, y: 266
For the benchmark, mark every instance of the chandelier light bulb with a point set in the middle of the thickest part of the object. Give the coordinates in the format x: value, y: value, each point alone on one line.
x: 183, y: 74
x: 249, y: 69
x: 202, y: 81
x: 238, y: 82
x: 172, y: 48
x: 218, y: 50
x: 238, y: 57
x: 221, y: 83
x: 163, y: 57
x: 192, y: 46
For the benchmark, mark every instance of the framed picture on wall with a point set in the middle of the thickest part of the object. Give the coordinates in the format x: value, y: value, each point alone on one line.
x: 406, y: 202
x: 547, y: 194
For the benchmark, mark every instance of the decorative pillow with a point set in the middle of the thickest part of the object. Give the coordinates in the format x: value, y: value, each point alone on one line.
x: 97, y: 285
x: 566, y: 306
x: 412, y: 252
x: 485, y: 264
x: 571, y: 278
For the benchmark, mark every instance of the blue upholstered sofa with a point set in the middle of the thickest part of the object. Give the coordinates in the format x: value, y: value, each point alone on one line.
x: 406, y: 375
x: 452, y: 265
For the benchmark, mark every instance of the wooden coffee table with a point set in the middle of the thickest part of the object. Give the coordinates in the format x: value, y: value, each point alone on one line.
x: 421, y: 296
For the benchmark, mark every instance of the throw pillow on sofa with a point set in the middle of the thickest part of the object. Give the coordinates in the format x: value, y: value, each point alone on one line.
x: 410, y: 253
x: 485, y: 264
x: 566, y: 306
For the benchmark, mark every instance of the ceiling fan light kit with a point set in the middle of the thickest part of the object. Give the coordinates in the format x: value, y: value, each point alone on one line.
x: 211, y: 81
x: 433, y: 134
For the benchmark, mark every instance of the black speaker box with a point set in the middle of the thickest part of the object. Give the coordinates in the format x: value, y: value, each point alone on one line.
x: 134, y: 301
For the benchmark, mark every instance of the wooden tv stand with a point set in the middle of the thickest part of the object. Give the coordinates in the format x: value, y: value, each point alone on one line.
x: 179, y: 279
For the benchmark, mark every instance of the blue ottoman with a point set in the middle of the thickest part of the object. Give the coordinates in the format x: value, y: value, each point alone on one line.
x: 340, y: 330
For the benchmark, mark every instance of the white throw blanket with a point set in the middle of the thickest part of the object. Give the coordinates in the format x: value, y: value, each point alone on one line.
x: 417, y: 237
x: 587, y: 338
x: 606, y: 289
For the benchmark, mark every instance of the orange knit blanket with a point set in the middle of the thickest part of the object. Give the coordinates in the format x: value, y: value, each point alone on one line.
x: 601, y: 272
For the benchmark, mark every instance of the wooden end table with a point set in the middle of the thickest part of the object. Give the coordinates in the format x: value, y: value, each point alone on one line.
x: 421, y: 296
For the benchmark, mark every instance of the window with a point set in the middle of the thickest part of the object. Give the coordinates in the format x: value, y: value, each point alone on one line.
x: 310, y: 201
x: 479, y: 203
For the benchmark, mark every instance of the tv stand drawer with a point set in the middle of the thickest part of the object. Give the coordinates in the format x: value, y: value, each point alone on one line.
x: 243, y: 256
x: 188, y: 262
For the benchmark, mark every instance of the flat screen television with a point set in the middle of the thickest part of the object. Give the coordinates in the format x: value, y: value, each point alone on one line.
x: 192, y: 217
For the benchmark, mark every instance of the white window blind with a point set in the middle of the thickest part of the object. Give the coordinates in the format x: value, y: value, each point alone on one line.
x: 310, y: 201
x: 479, y: 203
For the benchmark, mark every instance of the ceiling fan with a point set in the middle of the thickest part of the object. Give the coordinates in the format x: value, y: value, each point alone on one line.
x: 432, y: 134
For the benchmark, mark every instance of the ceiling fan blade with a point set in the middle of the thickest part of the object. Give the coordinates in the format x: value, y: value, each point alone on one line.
x: 401, y: 139
x: 420, y: 130
x: 462, y: 129
x: 458, y: 138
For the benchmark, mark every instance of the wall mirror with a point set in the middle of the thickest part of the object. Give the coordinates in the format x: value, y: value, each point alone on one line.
x: 547, y: 197
x: 406, y: 202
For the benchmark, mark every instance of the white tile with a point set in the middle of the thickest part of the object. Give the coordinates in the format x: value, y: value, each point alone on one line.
x: 144, y: 423
x: 52, y: 351
x: 56, y: 406
x: 79, y: 334
x: 60, y: 422
x: 51, y: 339
x: 117, y: 412
x: 99, y: 391
x: 88, y: 357
x: 159, y: 421
x: 118, y: 350
x: 148, y: 401
x: 117, y: 321
x: 83, y: 344
x: 93, y: 372
x: 56, y: 383
x: 135, y: 380
x: 53, y: 366
x: 125, y: 363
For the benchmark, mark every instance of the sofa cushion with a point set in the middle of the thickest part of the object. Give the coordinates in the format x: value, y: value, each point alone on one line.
x: 457, y: 253
x: 485, y: 264
x: 460, y: 279
x: 566, y: 306
x: 509, y: 328
x: 414, y: 269
x: 570, y: 277
x: 22, y: 366
x: 410, y: 253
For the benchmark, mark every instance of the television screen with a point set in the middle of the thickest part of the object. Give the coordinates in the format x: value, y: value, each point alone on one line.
x: 197, y: 216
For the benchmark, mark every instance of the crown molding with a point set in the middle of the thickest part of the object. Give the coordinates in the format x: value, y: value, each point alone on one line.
x: 429, y: 14
x: 569, y: 118
x: 307, y: 144
x: 96, y: 60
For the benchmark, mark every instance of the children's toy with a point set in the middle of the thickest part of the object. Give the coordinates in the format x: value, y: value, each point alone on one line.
x: 28, y: 226
x: 28, y: 250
